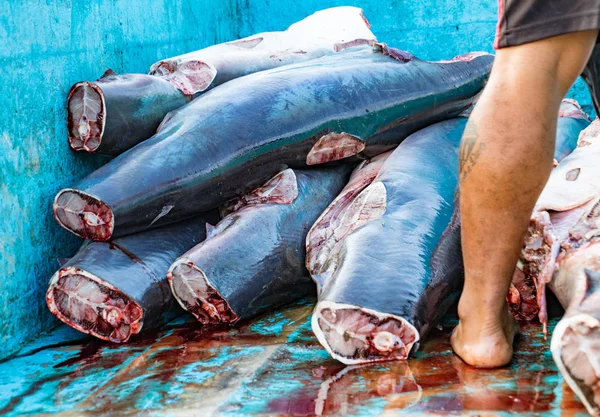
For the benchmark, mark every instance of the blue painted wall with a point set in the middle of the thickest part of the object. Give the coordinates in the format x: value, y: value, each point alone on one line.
x: 430, y: 29
x: 45, y: 47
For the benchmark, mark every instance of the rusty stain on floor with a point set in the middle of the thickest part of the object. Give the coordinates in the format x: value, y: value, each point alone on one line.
x: 275, y: 367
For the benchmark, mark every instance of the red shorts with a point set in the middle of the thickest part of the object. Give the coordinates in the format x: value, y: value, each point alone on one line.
x: 524, y: 21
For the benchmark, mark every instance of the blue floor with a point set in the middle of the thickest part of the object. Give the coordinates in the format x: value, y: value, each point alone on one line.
x: 273, y: 366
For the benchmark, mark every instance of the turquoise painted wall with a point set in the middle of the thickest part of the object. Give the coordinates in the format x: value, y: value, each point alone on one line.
x: 45, y: 47
x: 430, y: 29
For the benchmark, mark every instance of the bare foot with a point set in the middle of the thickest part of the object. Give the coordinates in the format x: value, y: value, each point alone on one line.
x: 485, y: 342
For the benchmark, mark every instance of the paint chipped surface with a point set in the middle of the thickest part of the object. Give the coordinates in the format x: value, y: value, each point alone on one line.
x: 36, y: 160
x: 271, y: 366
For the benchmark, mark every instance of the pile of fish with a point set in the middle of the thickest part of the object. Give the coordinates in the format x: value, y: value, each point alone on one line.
x: 112, y: 289
x: 562, y: 252
x: 313, y: 161
x: 117, y: 112
x: 385, y: 259
x: 349, y: 106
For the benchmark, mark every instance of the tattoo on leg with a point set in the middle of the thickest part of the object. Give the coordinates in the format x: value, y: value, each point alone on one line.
x: 470, y: 149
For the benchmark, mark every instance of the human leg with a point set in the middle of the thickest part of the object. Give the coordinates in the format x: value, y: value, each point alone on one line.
x: 506, y: 158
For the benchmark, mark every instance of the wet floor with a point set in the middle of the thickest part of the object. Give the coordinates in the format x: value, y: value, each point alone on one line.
x: 275, y: 367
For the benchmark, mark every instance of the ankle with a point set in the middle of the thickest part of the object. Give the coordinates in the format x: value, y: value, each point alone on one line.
x: 471, y: 309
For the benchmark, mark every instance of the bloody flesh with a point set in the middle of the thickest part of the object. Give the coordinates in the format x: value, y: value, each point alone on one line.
x: 204, y: 153
x: 253, y: 260
x: 575, y: 342
x: 522, y: 298
x: 394, y: 267
x: 117, y: 112
x: 112, y: 290
x: 562, y: 251
x: 326, y: 233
